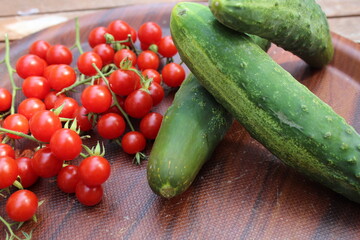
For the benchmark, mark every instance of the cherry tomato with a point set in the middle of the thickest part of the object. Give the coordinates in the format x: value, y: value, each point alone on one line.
x: 138, y: 103
x: 133, y: 34
x: 45, y: 164
x: 173, y: 74
x: 61, y: 76
x: 157, y: 93
x: 152, y: 73
x: 29, y: 106
x: 59, y: 54
x: 96, y: 98
x: 69, y: 106
x: 148, y: 59
x: 122, y: 82
x: 39, y: 48
x: 6, y: 150
x: 122, y: 54
x: 30, y: 65
x: 35, y: 87
x: 166, y: 47
x: 111, y: 126
x: 94, y: 171
x: 149, y: 32
x: 51, y: 98
x: 8, y: 171
x: 150, y: 125
x: 16, y: 122
x: 106, y: 52
x: 65, y: 144
x: 115, y: 109
x: 88, y: 196
x: 68, y: 178
x: 119, y: 29
x: 26, y: 173
x: 81, y: 115
x: 43, y: 124
x: 85, y: 61
x: 133, y: 142
x: 96, y: 36
x: 21, y: 205
x: 5, y: 99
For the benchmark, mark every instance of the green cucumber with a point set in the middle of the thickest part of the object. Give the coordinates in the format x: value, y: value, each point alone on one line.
x: 277, y: 110
x: 299, y: 26
x: 191, y: 129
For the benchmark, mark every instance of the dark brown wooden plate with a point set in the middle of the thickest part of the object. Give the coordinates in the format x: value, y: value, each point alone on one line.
x: 243, y: 191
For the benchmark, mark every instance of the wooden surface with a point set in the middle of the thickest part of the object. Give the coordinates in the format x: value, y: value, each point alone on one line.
x: 20, y: 18
x: 243, y: 192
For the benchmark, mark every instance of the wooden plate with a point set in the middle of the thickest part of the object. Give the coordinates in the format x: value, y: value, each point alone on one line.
x: 243, y: 192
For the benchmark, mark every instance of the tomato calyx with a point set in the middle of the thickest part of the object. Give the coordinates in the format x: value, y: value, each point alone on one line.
x: 97, y: 150
x: 139, y: 156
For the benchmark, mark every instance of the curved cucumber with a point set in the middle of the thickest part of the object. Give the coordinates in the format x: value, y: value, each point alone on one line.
x: 299, y: 26
x: 191, y: 129
x: 277, y: 110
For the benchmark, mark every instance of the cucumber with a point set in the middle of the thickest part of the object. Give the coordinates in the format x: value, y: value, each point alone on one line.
x: 299, y: 26
x: 191, y: 129
x: 278, y: 111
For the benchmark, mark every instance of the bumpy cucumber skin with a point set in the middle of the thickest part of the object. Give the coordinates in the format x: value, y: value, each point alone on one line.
x: 277, y: 110
x: 191, y: 129
x: 299, y: 26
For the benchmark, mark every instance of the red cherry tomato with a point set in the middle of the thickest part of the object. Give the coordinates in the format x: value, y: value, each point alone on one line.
x: 6, y: 150
x: 122, y: 82
x: 150, y: 125
x: 85, y: 61
x: 149, y: 32
x: 8, y: 171
x: 27, y: 174
x: 96, y: 36
x: 119, y: 29
x: 81, y: 115
x: 68, y: 178
x: 35, y: 87
x: 152, y: 73
x: 88, y: 196
x: 16, y: 122
x: 43, y: 124
x: 106, y: 52
x: 59, y: 54
x: 21, y: 205
x: 138, y: 103
x: 133, y: 142
x: 61, y: 76
x: 69, y: 106
x: 29, y: 106
x: 45, y: 164
x: 5, y: 99
x: 51, y: 98
x: 94, y: 171
x: 30, y: 65
x: 148, y: 59
x: 173, y: 74
x: 166, y: 47
x: 96, y: 98
x: 39, y: 48
x: 111, y: 126
x: 65, y: 144
x: 122, y: 54
x: 157, y: 93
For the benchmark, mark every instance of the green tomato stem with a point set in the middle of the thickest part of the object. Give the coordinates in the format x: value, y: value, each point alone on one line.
x: 10, y: 71
x: 114, y: 98
x: 77, y: 36
x: 20, y: 134
x: 12, y: 234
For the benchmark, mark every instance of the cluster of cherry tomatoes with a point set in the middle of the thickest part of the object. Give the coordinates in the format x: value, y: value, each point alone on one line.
x: 119, y: 83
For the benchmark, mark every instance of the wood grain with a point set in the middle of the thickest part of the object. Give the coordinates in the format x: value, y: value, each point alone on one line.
x: 242, y: 192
